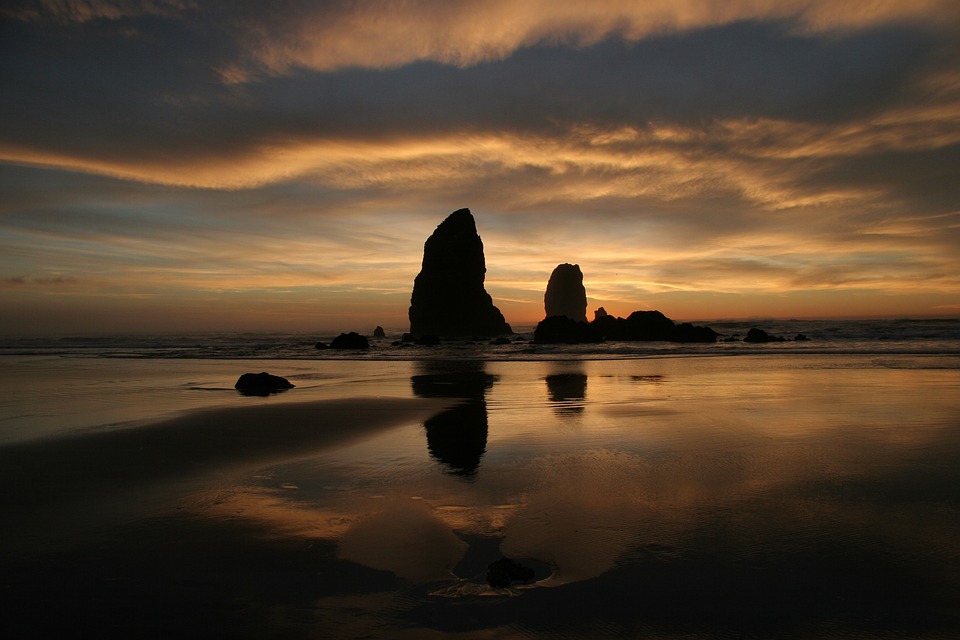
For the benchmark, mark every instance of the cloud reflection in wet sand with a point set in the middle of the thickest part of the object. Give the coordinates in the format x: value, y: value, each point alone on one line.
x: 819, y: 495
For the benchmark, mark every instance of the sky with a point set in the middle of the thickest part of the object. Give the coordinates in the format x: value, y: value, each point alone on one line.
x: 187, y: 165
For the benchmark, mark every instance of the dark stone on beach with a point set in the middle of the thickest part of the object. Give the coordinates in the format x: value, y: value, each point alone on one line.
x: 448, y: 297
x: 504, y: 572
x: 321, y: 345
x: 565, y: 294
x: 501, y: 341
x: 352, y: 340
x: 564, y: 330
x: 760, y: 336
x: 379, y: 332
x: 261, y: 384
x: 801, y: 338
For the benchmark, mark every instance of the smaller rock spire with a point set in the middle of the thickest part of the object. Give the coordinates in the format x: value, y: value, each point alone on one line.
x: 565, y: 294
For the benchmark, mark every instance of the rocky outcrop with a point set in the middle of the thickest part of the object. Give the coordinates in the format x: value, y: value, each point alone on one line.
x: 565, y: 302
x: 639, y: 326
x: 565, y: 294
x: 261, y: 384
x: 760, y: 336
x: 352, y: 340
x: 563, y: 330
x: 448, y: 295
x: 379, y: 332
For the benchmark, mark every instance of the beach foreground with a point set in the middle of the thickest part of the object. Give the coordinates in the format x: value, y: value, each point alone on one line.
x: 754, y: 496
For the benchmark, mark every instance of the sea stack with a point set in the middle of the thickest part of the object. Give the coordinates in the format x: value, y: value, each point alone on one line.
x: 448, y: 295
x: 565, y: 294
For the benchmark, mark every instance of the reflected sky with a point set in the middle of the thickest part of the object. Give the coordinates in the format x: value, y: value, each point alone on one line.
x: 842, y: 478
x: 747, y: 496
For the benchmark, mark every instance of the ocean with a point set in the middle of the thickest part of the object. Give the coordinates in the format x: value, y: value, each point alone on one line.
x: 892, y: 336
x: 802, y: 489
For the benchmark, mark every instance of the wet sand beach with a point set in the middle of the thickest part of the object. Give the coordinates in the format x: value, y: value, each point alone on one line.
x: 804, y: 497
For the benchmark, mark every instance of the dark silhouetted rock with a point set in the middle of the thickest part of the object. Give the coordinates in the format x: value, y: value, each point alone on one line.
x: 379, y: 332
x: 261, y: 384
x: 650, y: 326
x: 600, y: 313
x: 563, y: 330
x: 687, y: 332
x: 429, y: 340
x: 321, y: 345
x: 504, y: 572
x: 801, y: 338
x: 352, y: 340
x: 501, y: 341
x: 448, y: 295
x: 761, y: 336
x: 565, y: 294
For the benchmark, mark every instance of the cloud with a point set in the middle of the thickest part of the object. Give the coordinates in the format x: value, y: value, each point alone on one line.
x: 82, y: 11
x: 152, y: 148
x: 338, y: 35
x: 155, y: 108
x: 17, y: 282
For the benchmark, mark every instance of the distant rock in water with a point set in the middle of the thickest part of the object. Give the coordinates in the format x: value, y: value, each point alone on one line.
x: 261, y: 384
x: 352, y: 340
x: 448, y: 295
x: 565, y: 294
x: 600, y: 313
x: 379, y: 332
x: 564, y: 330
x: 639, y: 326
x: 761, y: 336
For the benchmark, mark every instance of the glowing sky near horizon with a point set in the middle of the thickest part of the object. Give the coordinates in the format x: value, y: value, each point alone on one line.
x: 182, y: 165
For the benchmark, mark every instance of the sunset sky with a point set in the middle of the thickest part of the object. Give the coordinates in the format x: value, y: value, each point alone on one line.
x: 185, y: 165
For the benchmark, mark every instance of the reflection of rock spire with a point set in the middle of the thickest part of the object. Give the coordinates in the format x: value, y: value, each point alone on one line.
x: 568, y: 390
x: 457, y: 437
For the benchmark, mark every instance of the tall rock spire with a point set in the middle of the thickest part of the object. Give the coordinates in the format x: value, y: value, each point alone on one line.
x: 565, y: 294
x: 448, y: 294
